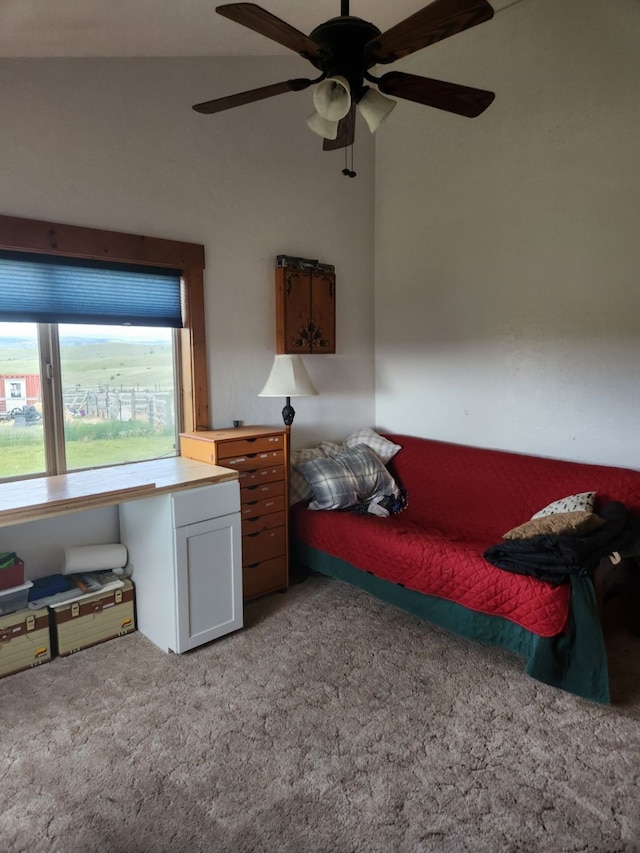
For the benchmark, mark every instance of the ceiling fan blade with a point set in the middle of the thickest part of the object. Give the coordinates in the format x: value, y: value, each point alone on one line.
x: 462, y: 100
x: 346, y: 132
x: 260, y: 21
x: 226, y: 103
x: 437, y: 21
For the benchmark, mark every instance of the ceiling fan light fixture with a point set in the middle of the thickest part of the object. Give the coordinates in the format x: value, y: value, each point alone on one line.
x: 374, y: 108
x: 323, y: 127
x: 332, y: 98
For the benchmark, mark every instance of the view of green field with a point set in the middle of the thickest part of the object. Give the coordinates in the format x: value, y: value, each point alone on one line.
x: 147, y: 367
x: 22, y: 450
x: 144, y: 367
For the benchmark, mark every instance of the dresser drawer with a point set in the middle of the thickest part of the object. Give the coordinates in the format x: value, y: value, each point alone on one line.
x: 253, y: 476
x: 193, y: 505
x: 263, y: 577
x: 251, y: 461
x: 257, y: 547
x: 261, y: 491
x: 194, y: 447
x: 244, y: 446
x: 262, y: 522
x: 253, y: 509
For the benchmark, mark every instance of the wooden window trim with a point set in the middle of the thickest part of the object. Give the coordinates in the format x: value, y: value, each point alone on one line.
x: 31, y: 235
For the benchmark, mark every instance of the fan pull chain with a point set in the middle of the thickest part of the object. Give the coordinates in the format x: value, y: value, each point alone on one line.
x: 348, y: 172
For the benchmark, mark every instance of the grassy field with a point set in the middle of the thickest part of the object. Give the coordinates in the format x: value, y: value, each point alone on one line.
x: 88, y: 445
x: 90, y: 364
x: 142, y: 366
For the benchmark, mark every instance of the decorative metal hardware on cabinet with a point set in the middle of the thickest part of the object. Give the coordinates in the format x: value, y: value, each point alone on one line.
x: 305, y: 306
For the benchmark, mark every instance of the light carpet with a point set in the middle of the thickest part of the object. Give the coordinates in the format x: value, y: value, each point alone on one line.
x: 332, y: 723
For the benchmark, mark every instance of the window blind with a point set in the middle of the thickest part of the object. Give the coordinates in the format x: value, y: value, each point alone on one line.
x: 50, y: 289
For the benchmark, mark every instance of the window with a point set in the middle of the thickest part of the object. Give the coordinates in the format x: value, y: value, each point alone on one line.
x: 86, y: 394
x: 113, y: 394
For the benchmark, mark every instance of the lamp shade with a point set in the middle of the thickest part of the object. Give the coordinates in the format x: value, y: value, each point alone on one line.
x: 374, y: 108
x: 332, y: 98
x: 322, y: 126
x: 288, y: 378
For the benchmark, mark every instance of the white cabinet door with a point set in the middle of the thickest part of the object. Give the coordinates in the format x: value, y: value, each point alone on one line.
x: 208, y: 580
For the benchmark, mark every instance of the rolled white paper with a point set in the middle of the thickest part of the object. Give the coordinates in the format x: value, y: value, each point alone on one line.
x: 94, y: 558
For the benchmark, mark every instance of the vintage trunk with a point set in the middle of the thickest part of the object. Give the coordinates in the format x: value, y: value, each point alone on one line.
x: 24, y: 640
x: 93, y: 619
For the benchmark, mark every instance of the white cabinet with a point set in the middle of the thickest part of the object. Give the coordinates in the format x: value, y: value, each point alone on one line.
x: 185, y: 549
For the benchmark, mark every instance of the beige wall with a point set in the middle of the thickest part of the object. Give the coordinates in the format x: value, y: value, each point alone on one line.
x: 508, y: 246
x: 115, y: 144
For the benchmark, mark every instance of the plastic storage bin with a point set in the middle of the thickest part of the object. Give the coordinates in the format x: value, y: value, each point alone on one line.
x: 12, y: 575
x: 15, y: 598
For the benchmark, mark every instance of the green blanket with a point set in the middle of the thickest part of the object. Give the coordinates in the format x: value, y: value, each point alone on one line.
x: 575, y: 661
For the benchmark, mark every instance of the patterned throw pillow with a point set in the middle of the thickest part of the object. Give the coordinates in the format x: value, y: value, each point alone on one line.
x: 353, y: 477
x: 578, y: 523
x: 299, y: 489
x: 382, y: 447
x: 583, y: 501
x: 330, y: 448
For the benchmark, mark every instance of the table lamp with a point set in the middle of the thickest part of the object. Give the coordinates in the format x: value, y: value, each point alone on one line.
x: 288, y: 378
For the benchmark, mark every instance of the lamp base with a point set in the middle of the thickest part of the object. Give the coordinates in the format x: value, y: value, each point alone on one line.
x: 288, y: 413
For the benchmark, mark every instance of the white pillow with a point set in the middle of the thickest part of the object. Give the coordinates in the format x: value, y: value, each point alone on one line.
x: 382, y: 447
x: 583, y: 501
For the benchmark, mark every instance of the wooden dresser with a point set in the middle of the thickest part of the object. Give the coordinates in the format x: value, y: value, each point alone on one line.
x: 260, y: 455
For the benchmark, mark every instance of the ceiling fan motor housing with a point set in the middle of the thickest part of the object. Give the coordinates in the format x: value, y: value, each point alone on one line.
x: 345, y: 39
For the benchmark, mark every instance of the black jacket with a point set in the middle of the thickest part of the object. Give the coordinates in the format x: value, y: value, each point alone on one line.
x: 554, y: 557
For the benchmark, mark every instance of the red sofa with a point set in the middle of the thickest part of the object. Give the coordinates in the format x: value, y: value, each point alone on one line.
x: 429, y: 558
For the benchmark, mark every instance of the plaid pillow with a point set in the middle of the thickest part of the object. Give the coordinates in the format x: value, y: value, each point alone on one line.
x: 299, y: 489
x: 330, y: 448
x: 351, y: 478
x: 382, y: 447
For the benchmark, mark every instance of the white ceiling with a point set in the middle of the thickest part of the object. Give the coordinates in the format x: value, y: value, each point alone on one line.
x: 46, y: 28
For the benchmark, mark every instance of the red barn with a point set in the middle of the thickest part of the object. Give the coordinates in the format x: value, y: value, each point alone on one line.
x: 18, y: 390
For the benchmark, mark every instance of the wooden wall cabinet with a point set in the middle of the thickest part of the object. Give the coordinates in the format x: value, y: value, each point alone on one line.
x: 305, y: 306
x: 260, y: 455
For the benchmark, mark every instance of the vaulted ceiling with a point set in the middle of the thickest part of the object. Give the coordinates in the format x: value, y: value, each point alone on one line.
x: 48, y: 28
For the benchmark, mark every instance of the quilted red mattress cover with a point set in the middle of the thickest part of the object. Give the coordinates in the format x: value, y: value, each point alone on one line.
x: 461, y: 500
x: 428, y: 561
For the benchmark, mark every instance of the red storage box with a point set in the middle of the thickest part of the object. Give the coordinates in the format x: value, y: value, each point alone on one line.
x: 12, y: 575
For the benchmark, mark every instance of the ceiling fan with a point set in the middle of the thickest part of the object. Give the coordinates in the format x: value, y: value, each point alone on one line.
x: 343, y: 49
